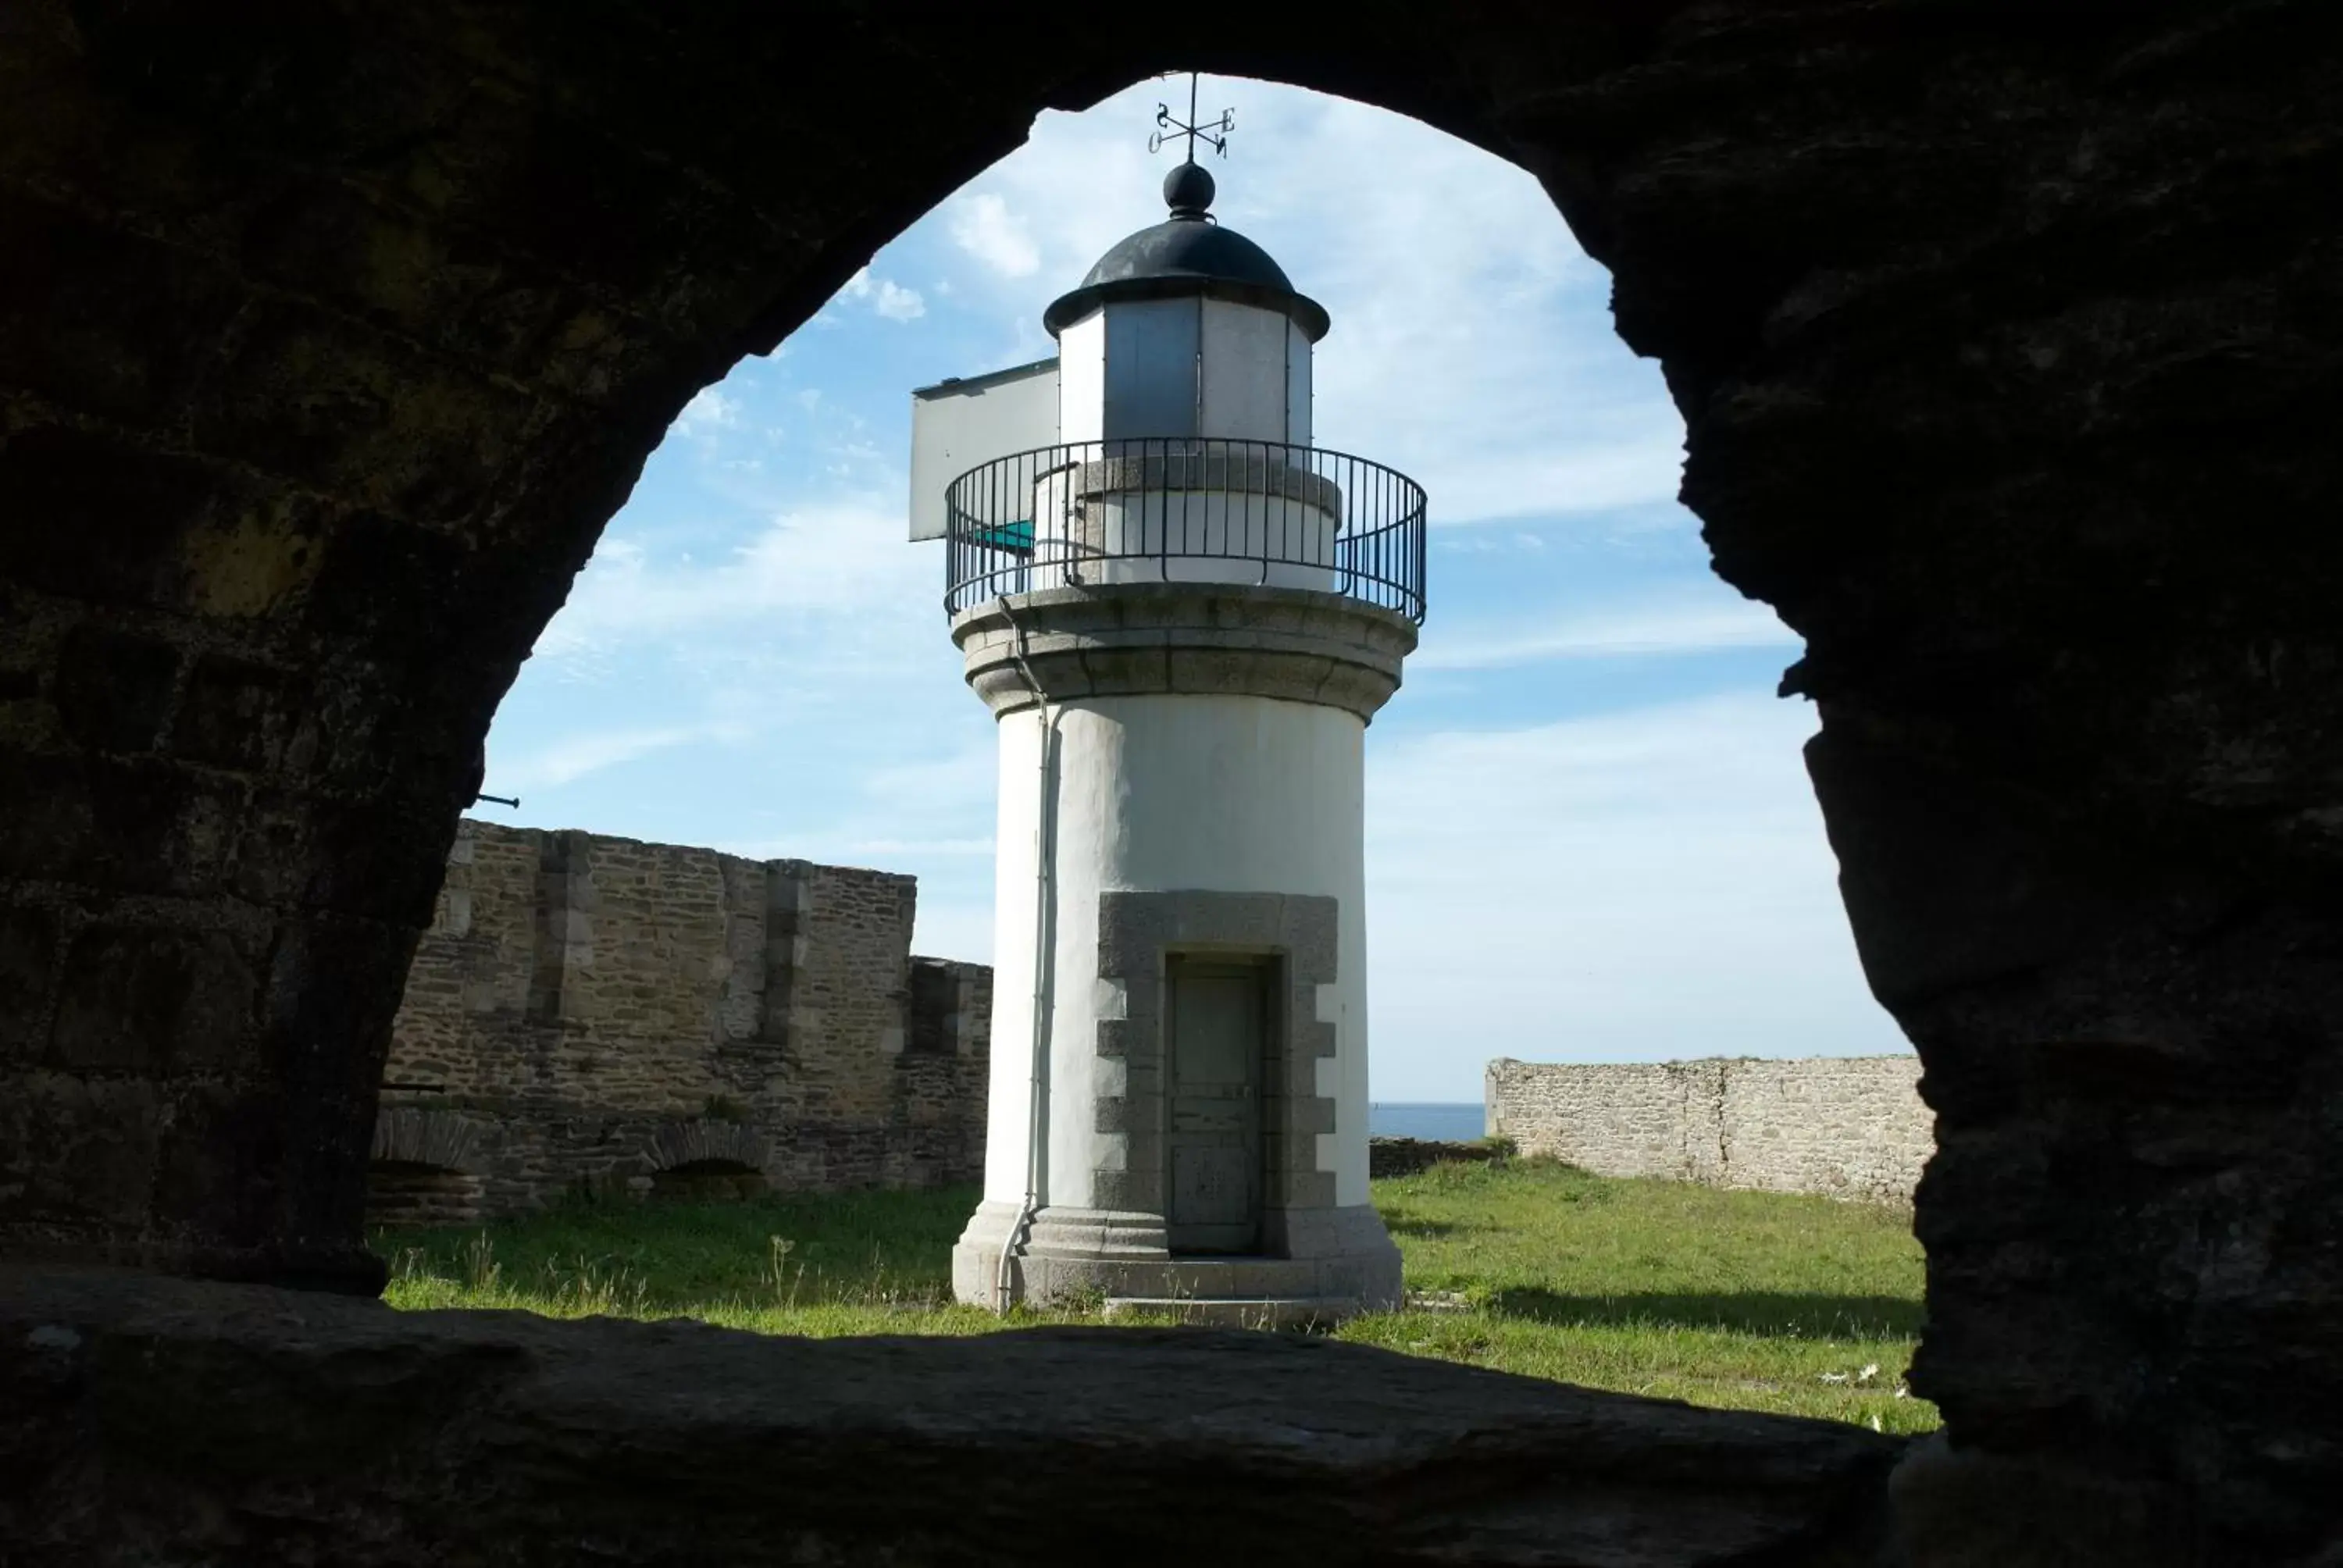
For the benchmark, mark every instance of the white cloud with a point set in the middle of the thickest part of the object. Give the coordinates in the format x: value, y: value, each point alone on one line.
x: 824, y: 592
x: 896, y: 303
x: 708, y: 410
x: 1684, y: 625
x: 899, y: 847
x: 983, y: 226
x: 885, y: 297
x: 1636, y: 886
x: 573, y: 757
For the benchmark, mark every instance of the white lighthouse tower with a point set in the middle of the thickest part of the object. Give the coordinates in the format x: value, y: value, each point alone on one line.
x: 1182, y: 617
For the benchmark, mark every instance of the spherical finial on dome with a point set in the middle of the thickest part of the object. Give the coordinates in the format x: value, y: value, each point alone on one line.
x: 1188, y: 190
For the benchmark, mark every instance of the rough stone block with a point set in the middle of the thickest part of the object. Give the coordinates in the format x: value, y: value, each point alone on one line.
x: 380, y: 580
x: 159, y: 1001
x: 114, y: 689
x: 96, y: 515
x: 1139, y: 1190
x: 324, y: 1020
x: 372, y: 406
x: 221, y: 1161
x: 269, y: 863
x: 1308, y: 1187
x: 77, y: 1156
x: 130, y: 825
x: 1306, y: 1116
x: 376, y: 858
x: 244, y: 716
x: 28, y: 965
x: 122, y: 314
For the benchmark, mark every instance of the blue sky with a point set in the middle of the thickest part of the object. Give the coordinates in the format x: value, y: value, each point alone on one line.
x: 1589, y: 834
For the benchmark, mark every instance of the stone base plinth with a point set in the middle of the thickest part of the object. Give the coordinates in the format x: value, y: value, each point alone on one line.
x: 1326, y: 1256
x: 1236, y: 1312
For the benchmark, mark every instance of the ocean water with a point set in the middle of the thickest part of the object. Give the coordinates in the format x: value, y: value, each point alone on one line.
x: 1442, y: 1123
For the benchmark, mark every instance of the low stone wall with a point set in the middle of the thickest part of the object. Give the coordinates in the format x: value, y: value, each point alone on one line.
x: 1406, y: 1156
x: 1845, y: 1127
x: 601, y: 1014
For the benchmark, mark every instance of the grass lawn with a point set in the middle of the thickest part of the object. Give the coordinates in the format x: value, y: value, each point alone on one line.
x: 1743, y: 1300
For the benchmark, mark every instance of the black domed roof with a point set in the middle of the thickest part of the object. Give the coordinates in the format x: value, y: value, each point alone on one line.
x: 1189, y: 248
x: 1187, y: 253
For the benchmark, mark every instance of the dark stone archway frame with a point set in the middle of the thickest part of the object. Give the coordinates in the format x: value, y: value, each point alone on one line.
x: 2008, y: 344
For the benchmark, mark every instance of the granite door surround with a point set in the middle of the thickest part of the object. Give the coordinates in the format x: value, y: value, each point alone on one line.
x: 1137, y: 932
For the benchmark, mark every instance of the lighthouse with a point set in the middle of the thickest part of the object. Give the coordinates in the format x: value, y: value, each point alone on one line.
x: 1182, y: 616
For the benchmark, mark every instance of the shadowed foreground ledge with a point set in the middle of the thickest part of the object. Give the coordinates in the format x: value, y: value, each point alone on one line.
x: 155, y: 1421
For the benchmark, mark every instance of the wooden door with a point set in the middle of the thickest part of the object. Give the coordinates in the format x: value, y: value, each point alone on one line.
x: 1218, y: 1028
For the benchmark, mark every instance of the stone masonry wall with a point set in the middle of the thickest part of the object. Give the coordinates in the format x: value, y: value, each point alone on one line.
x: 1845, y: 1127
x: 600, y: 1014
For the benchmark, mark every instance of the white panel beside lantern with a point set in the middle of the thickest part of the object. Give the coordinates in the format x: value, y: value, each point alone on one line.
x: 964, y: 422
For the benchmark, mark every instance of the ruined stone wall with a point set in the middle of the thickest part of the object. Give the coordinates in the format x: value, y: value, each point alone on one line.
x: 1845, y: 1127
x: 599, y: 1014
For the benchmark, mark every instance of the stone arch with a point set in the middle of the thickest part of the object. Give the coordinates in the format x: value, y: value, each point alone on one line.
x: 707, y: 1140
x: 708, y: 1159
x: 422, y: 1168
x: 2005, y: 345
x: 412, y: 1135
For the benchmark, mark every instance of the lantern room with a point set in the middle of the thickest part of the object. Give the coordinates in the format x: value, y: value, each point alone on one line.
x: 1185, y: 330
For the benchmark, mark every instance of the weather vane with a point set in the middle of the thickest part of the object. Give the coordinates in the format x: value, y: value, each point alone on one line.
x: 1215, y: 136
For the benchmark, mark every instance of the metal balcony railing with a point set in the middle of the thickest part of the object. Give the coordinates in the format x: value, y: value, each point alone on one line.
x: 1185, y: 509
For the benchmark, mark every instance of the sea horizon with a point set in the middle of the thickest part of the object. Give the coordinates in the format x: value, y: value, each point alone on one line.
x: 1438, y: 1121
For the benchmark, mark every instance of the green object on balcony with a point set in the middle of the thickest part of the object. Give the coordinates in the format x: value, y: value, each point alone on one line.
x: 1016, y: 538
